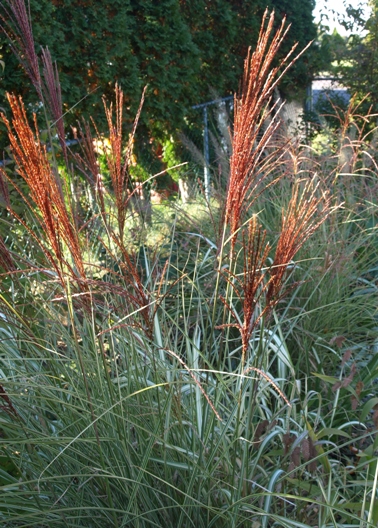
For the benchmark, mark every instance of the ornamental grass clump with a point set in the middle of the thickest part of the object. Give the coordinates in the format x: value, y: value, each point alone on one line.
x: 179, y: 386
x: 254, y: 168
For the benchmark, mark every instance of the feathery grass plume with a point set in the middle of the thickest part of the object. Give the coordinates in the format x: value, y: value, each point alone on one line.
x: 34, y: 167
x: 308, y: 209
x: 118, y: 161
x: 118, y: 164
x: 256, y: 251
x: 252, y: 284
x: 252, y: 128
x: 53, y: 95
x: 251, y: 290
x: 18, y: 29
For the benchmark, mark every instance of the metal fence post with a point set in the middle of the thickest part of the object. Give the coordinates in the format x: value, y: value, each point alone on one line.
x: 206, y: 154
x: 206, y: 175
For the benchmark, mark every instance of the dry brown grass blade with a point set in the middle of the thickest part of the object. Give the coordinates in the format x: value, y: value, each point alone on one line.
x: 191, y: 374
x: 269, y: 380
x: 45, y: 190
x: 255, y: 121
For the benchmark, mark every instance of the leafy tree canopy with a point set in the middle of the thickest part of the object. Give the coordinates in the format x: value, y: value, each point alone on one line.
x: 180, y: 48
x: 354, y: 59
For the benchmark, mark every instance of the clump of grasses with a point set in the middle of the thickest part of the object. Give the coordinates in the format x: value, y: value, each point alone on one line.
x: 174, y: 388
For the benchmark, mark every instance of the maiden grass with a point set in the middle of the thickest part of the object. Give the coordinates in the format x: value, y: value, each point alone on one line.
x: 218, y: 380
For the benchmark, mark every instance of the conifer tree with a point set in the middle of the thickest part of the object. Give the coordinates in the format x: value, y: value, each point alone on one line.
x: 182, y: 49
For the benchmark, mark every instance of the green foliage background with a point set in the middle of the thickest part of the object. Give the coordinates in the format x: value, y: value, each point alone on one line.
x: 179, y: 48
x: 353, y: 58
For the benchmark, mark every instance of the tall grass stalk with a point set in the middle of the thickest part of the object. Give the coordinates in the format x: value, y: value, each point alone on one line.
x: 207, y: 382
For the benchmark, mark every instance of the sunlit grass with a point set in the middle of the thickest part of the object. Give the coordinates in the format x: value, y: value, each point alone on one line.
x: 206, y: 365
